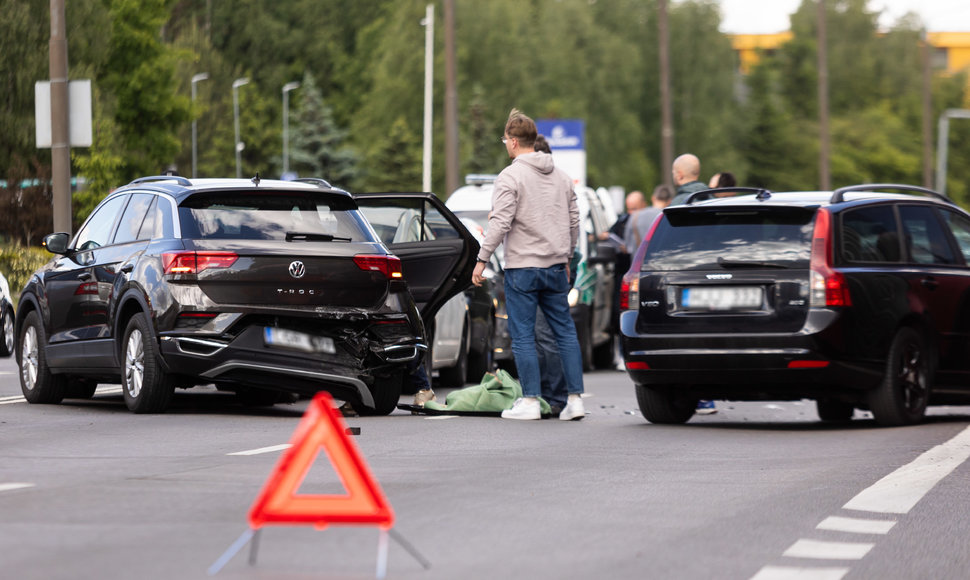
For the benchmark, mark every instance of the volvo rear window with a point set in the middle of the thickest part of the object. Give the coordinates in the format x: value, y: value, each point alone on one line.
x: 731, y: 239
x: 270, y: 215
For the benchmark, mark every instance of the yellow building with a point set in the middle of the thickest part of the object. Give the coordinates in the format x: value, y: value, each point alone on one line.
x: 951, y: 50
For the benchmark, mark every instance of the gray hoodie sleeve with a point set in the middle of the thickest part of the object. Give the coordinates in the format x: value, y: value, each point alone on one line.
x: 504, y: 203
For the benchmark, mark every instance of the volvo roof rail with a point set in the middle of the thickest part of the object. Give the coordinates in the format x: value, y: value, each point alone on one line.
x: 176, y: 178
x: 315, y: 181
x: 838, y: 195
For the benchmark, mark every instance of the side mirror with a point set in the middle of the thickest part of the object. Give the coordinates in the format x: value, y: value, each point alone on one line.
x: 57, y: 243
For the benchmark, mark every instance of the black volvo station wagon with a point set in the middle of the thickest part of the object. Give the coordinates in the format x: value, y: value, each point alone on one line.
x: 857, y: 298
x: 259, y: 287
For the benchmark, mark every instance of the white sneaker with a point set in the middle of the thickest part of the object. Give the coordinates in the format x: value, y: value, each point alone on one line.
x: 524, y: 409
x: 574, y: 410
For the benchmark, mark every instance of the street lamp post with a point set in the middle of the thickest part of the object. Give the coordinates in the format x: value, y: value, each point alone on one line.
x: 235, y: 117
x: 428, y: 24
x: 286, y: 124
x: 195, y: 150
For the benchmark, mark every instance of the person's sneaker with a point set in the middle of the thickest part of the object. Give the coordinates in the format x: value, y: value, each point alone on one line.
x: 524, y: 409
x: 705, y: 408
x: 574, y: 410
x: 423, y: 396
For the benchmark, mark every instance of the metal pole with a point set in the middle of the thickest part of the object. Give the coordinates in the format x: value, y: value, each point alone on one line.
x: 927, y: 114
x: 943, y: 143
x: 825, y: 180
x: 286, y: 124
x: 428, y: 24
x: 195, y: 149
x: 60, y: 121
x: 666, y: 110
x: 235, y: 118
x: 452, y: 166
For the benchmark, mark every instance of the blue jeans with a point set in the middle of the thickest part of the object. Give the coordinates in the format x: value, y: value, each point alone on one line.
x: 525, y: 290
x: 550, y: 364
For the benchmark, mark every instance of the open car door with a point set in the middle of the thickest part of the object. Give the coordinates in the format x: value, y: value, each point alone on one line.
x: 437, y: 252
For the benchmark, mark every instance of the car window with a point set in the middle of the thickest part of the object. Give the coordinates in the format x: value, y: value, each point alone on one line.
x: 869, y: 234
x: 709, y: 239
x: 925, y: 238
x: 97, y: 231
x: 406, y: 220
x: 133, y: 218
x: 960, y: 226
x: 272, y: 215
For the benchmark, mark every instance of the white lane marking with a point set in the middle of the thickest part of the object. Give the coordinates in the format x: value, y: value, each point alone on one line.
x: 789, y: 573
x: 899, y: 491
x: 19, y: 399
x: 5, y: 373
x: 12, y: 400
x: 262, y: 450
x: 820, y: 550
x: 855, y: 525
x: 109, y: 390
x: 441, y: 417
x: 13, y: 486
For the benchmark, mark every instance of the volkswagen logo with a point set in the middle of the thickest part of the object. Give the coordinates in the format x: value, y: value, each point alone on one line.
x: 297, y: 269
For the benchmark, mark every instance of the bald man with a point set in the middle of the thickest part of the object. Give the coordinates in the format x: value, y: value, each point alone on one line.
x: 686, y: 171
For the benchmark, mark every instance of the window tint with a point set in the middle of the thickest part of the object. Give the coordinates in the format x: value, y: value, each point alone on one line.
x: 870, y: 234
x: 925, y: 238
x: 406, y: 220
x: 960, y: 226
x: 272, y: 215
x: 133, y: 218
x: 97, y: 231
x: 727, y: 238
x: 147, y: 230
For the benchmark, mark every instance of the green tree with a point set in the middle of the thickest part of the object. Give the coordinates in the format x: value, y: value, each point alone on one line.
x: 397, y: 163
x: 317, y: 144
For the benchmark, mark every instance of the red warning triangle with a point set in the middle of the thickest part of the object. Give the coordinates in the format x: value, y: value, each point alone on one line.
x: 321, y: 427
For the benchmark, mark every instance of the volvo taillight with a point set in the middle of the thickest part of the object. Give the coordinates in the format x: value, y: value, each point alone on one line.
x: 630, y: 284
x: 827, y: 286
x: 390, y: 266
x: 195, y: 262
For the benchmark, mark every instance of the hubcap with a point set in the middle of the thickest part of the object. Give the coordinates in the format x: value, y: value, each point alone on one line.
x: 134, y: 364
x: 28, y: 364
x: 8, y: 332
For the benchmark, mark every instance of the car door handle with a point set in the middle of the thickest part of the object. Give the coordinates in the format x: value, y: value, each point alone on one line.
x: 84, y: 276
x: 929, y: 282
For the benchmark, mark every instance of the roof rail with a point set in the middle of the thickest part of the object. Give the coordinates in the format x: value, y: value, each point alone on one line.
x: 838, y: 196
x: 480, y: 178
x: 315, y: 181
x: 705, y: 194
x: 176, y: 178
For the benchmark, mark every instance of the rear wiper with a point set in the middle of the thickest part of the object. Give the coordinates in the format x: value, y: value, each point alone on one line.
x: 746, y: 264
x: 312, y: 237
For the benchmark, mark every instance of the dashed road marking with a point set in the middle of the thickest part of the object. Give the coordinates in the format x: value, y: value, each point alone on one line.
x: 13, y: 486
x: 855, y: 525
x: 899, y: 491
x: 819, y: 550
x: 792, y: 573
x: 12, y: 400
x: 270, y: 449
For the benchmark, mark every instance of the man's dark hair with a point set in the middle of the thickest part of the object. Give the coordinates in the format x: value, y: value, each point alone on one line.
x: 662, y: 193
x: 541, y: 144
x: 521, y: 127
x: 726, y: 179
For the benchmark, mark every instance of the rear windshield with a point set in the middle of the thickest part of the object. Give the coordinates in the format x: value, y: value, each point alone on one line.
x: 272, y: 215
x: 731, y: 238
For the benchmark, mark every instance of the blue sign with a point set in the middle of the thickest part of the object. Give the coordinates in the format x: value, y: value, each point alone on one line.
x: 563, y: 133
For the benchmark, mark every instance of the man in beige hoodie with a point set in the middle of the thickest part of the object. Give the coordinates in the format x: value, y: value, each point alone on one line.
x: 534, y: 213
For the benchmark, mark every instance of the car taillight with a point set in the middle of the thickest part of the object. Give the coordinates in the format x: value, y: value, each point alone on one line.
x: 630, y: 284
x: 390, y: 266
x: 195, y: 262
x: 827, y: 286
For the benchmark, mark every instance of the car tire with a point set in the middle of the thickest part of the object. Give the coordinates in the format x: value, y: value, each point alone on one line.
x: 902, y: 396
x: 386, y: 392
x: 8, y: 340
x: 480, y: 363
x: 37, y: 383
x: 456, y: 375
x: 80, y: 389
x: 603, y: 354
x: 658, y: 404
x: 834, y: 411
x: 147, y: 388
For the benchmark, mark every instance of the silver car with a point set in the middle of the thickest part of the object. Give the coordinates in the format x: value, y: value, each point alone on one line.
x: 6, y: 319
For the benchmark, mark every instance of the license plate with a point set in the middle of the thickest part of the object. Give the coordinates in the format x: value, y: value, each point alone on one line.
x: 293, y: 339
x: 721, y: 297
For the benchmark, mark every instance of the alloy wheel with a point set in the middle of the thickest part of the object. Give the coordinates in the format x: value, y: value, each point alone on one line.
x: 8, y: 333
x: 912, y: 378
x: 29, y: 353
x: 134, y: 363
